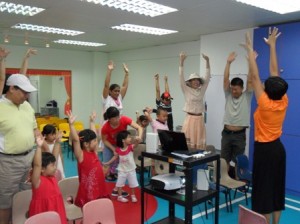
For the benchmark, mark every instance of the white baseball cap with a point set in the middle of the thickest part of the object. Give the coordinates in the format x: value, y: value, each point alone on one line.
x: 21, y: 81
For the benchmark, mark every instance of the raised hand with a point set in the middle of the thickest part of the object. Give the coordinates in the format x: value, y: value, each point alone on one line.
x: 166, y: 78
x: 206, y: 58
x: 182, y: 56
x: 248, y: 45
x: 156, y: 77
x: 30, y: 52
x: 273, y: 35
x: 39, y: 141
x: 93, y: 116
x: 231, y: 57
x: 111, y: 65
x: 71, y: 117
x: 126, y: 70
x: 3, y: 52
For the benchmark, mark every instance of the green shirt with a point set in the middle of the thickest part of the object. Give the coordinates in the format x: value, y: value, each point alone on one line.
x: 17, y: 124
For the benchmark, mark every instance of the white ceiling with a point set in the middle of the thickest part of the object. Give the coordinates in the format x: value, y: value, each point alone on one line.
x: 194, y: 18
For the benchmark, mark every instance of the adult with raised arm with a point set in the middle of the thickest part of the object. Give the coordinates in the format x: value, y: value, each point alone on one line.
x: 193, y: 90
x: 18, y: 130
x: 114, y: 94
x: 164, y: 100
x: 269, y: 159
x: 237, y: 113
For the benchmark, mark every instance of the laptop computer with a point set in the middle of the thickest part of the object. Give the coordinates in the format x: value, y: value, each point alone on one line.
x: 175, y: 142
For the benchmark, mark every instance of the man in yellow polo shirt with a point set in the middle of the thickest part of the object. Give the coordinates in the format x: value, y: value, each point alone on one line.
x: 17, y: 136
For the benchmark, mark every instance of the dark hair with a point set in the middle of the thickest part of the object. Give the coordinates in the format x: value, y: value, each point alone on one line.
x: 6, y: 87
x: 276, y: 87
x: 47, y: 158
x: 113, y: 86
x: 160, y: 109
x: 237, y: 82
x: 112, y: 112
x: 142, y: 118
x: 48, y: 129
x: 86, y: 135
x: 120, y: 137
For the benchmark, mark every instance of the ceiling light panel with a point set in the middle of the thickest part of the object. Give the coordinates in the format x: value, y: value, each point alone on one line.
x: 80, y: 43
x: 278, y: 6
x: 142, y: 7
x: 46, y: 29
x: 143, y: 29
x: 19, y: 9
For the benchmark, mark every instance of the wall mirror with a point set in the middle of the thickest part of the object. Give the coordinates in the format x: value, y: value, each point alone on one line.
x: 52, y: 85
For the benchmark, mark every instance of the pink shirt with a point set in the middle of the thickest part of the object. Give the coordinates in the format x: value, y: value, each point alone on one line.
x: 194, y: 97
x: 158, y: 125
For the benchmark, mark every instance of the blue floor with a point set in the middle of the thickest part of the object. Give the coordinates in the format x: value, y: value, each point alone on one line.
x: 291, y: 215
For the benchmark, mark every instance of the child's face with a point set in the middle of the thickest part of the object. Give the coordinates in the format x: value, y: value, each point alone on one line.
x: 49, y: 170
x: 166, y: 101
x: 50, y: 137
x: 162, y: 116
x: 127, y: 140
x: 114, y: 121
x: 93, y: 145
x: 145, y: 123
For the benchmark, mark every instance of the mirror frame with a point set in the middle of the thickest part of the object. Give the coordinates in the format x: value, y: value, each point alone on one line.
x: 67, y: 74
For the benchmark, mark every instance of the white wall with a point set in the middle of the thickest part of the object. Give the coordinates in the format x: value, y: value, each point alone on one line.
x: 89, y: 70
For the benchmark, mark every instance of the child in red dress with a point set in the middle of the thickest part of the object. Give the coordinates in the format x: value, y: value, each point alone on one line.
x: 91, y: 178
x: 46, y: 195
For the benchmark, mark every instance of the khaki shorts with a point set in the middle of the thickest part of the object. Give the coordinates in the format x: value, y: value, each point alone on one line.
x: 13, y: 173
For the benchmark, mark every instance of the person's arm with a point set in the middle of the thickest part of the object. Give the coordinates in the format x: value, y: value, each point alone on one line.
x: 37, y: 163
x: 57, y: 148
x: 157, y: 88
x: 167, y: 89
x: 111, y: 160
x: 182, y: 57
x: 125, y: 81
x: 107, y: 143
x: 3, y: 55
x: 139, y: 129
x: 75, y: 138
x: 147, y: 113
x: 110, y: 68
x: 92, y: 121
x: 271, y: 41
x: 226, y: 83
x: 24, y: 66
x: 249, y: 78
x: 253, y: 69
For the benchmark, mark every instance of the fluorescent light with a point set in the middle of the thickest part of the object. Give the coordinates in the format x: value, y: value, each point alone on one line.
x: 143, y: 29
x: 278, y: 6
x: 19, y: 9
x: 81, y: 43
x: 136, y: 6
x: 46, y: 29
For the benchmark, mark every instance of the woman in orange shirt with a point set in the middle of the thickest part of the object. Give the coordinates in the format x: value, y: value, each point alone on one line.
x: 269, y: 161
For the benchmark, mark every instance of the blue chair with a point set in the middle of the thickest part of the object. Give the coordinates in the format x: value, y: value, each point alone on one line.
x: 243, y: 172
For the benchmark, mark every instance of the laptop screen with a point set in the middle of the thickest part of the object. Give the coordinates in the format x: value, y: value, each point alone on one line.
x: 172, y: 141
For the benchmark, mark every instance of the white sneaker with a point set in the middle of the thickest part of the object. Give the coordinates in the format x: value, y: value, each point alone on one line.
x: 133, y: 198
x: 121, y: 199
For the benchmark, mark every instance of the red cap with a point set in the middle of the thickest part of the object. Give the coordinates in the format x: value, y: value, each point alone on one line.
x: 166, y: 96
